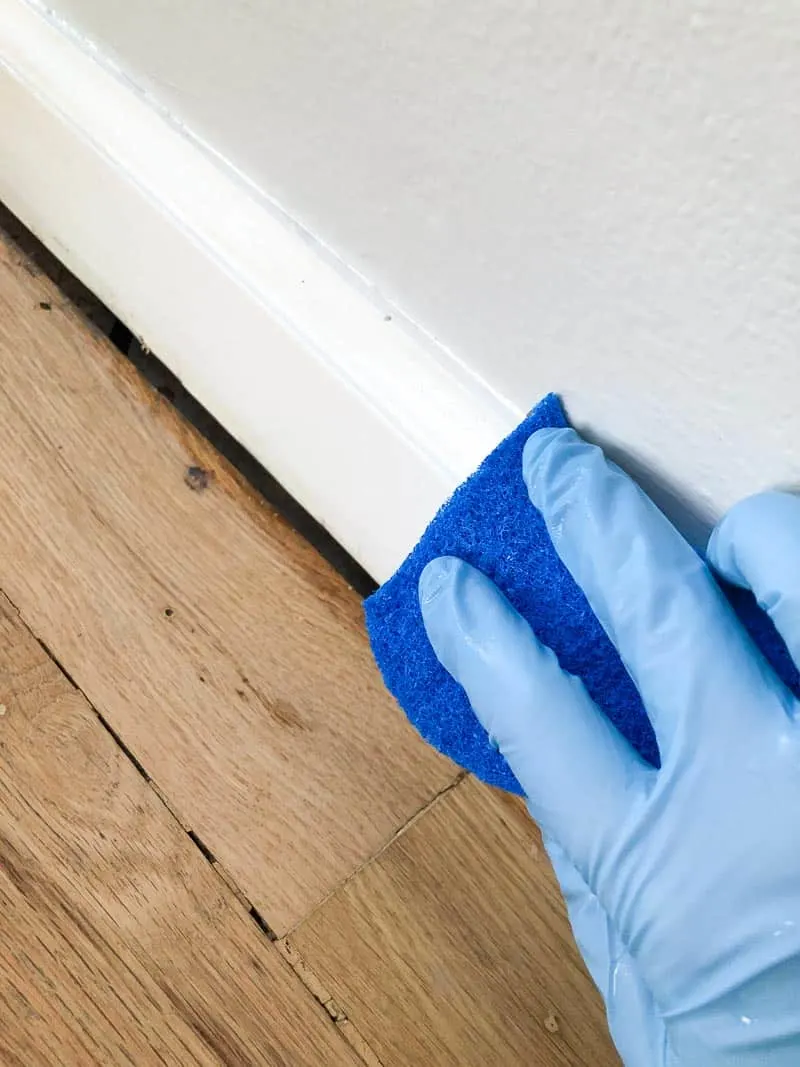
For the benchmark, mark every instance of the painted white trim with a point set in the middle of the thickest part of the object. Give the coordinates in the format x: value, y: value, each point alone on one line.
x: 365, y: 420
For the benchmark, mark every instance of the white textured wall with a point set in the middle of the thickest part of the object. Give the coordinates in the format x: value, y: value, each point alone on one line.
x: 596, y: 196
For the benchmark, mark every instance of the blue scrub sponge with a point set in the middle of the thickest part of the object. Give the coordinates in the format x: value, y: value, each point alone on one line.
x: 490, y: 522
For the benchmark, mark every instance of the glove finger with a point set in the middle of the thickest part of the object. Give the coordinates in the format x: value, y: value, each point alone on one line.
x: 757, y: 546
x: 657, y: 601
x: 580, y: 776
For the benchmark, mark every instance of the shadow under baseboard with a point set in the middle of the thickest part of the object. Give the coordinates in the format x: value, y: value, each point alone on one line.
x: 173, y: 391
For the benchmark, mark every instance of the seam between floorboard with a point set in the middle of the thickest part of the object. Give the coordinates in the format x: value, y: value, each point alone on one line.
x: 346, y: 1029
x: 313, y: 983
x: 398, y: 833
x: 308, y: 976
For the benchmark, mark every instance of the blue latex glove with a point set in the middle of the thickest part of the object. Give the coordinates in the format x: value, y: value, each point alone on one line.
x: 683, y: 884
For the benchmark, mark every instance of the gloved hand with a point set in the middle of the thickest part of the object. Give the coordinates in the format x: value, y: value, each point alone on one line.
x: 683, y: 884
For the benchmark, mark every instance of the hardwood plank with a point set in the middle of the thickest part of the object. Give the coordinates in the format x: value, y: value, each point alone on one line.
x: 452, y: 947
x: 119, y: 944
x: 226, y: 654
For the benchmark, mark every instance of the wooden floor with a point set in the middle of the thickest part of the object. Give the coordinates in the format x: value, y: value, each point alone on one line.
x: 220, y: 842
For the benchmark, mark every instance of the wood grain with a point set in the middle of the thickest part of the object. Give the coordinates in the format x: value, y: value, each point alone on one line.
x: 453, y: 947
x: 225, y: 653
x: 119, y: 944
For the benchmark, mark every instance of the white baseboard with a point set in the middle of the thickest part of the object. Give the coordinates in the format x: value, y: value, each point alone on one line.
x: 366, y: 421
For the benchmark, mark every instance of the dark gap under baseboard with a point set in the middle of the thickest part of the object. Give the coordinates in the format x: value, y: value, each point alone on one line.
x: 170, y: 387
x: 159, y: 376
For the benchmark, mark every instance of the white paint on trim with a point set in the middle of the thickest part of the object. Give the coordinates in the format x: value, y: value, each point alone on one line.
x: 364, y: 419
